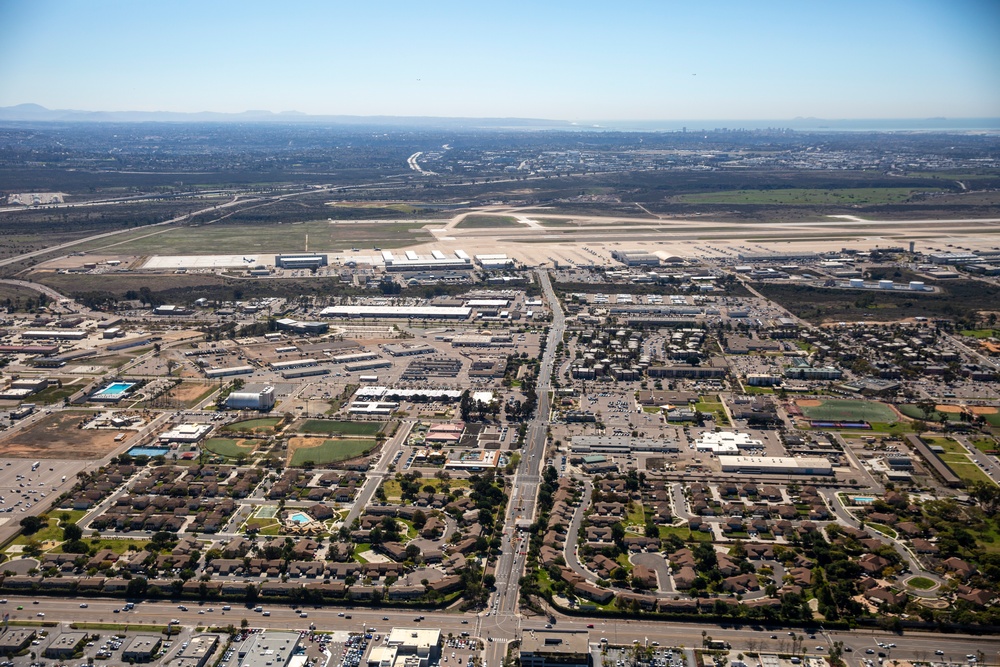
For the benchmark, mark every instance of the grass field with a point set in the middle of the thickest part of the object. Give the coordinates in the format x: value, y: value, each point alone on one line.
x: 271, y: 238
x: 921, y: 583
x: 326, y: 427
x: 228, y: 447
x: 261, y: 425
x: 804, y: 196
x: 913, y: 412
x: 331, y: 451
x: 684, y: 533
x: 474, y: 221
x: 970, y: 472
x: 849, y: 410
x: 118, y: 546
x: 981, y: 333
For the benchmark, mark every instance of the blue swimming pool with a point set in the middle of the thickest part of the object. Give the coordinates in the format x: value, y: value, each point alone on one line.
x: 148, y: 451
x: 299, y: 517
x: 863, y: 500
x: 113, y: 391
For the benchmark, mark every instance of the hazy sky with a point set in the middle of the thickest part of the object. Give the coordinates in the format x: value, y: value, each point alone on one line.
x: 662, y: 59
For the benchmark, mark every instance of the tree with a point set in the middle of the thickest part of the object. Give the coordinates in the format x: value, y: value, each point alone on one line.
x: 32, y: 524
x: 72, y: 532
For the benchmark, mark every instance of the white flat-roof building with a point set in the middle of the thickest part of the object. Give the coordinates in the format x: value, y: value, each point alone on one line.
x: 186, y: 433
x: 776, y: 465
x: 398, y: 312
x: 726, y: 443
x: 268, y: 649
x: 232, y: 370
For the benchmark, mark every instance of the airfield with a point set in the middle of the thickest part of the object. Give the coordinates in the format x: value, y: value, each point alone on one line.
x: 535, y: 237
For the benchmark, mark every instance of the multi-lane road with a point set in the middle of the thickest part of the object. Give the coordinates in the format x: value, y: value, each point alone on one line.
x: 910, y: 646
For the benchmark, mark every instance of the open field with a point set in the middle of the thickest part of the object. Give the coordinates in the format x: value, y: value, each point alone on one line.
x: 56, y: 436
x: 914, y: 412
x: 804, y: 196
x: 474, y: 221
x: 321, y: 451
x: 260, y: 425
x: 189, y: 394
x: 229, y: 447
x: 848, y: 410
x: 271, y: 238
x: 327, y: 427
x: 817, y: 304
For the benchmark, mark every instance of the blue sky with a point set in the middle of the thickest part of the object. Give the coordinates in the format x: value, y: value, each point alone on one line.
x: 560, y: 60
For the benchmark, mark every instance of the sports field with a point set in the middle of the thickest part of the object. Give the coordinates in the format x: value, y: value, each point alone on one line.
x: 228, y: 447
x: 326, y: 427
x: 847, y: 410
x: 262, y: 425
x: 322, y: 452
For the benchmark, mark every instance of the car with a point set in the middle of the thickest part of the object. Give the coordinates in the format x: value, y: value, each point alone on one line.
x: 384, y: 618
x: 341, y: 614
x: 465, y: 622
x: 266, y: 613
x: 774, y: 636
x: 83, y: 605
x: 116, y: 611
x: 939, y: 652
x: 870, y: 651
x: 590, y: 625
x: 848, y: 649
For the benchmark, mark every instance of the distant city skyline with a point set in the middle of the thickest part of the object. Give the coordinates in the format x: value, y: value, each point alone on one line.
x: 583, y: 62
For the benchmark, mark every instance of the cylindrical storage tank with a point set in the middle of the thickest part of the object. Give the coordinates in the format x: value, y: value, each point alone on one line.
x: 916, y: 286
x: 857, y: 282
x: 885, y: 284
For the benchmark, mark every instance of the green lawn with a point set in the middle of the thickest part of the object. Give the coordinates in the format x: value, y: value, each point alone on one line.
x: 885, y: 530
x: 981, y: 333
x: 261, y: 425
x: 332, y: 451
x: 850, y: 410
x: 327, y: 427
x: 636, y: 515
x: 985, y: 444
x: 803, y: 196
x: 228, y: 447
x: 684, y: 533
x: 970, y: 472
x: 913, y: 412
x: 118, y: 546
x: 921, y: 583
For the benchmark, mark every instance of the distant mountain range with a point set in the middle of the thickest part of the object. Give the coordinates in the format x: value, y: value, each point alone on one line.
x: 37, y: 113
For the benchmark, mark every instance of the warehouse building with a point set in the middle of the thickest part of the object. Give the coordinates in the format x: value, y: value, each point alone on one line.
x: 54, y: 334
x: 494, y: 262
x: 293, y: 363
x: 555, y: 648
x: 613, y: 444
x: 300, y: 261
x: 251, y: 399
x: 288, y: 324
x: 186, y: 433
x: 776, y: 465
x: 403, y: 350
x: 225, y: 372
x: 636, y: 257
x: 399, y: 312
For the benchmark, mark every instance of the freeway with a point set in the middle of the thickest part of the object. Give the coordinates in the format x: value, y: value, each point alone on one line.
x: 910, y: 646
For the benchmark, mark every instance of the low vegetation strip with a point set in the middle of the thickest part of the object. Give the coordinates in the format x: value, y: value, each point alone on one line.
x: 807, y: 196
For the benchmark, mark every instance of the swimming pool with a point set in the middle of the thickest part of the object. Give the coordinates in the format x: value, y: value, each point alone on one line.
x: 299, y: 517
x: 148, y: 451
x: 863, y: 500
x: 113, y: 392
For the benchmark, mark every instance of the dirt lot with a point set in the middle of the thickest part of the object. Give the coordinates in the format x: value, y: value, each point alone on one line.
x: 56, y: 436
x: 948, y: 408
x: 983, y: 410
x: 188, y: 392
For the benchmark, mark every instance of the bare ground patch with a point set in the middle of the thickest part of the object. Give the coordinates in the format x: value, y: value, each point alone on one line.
x: 56, y: 436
